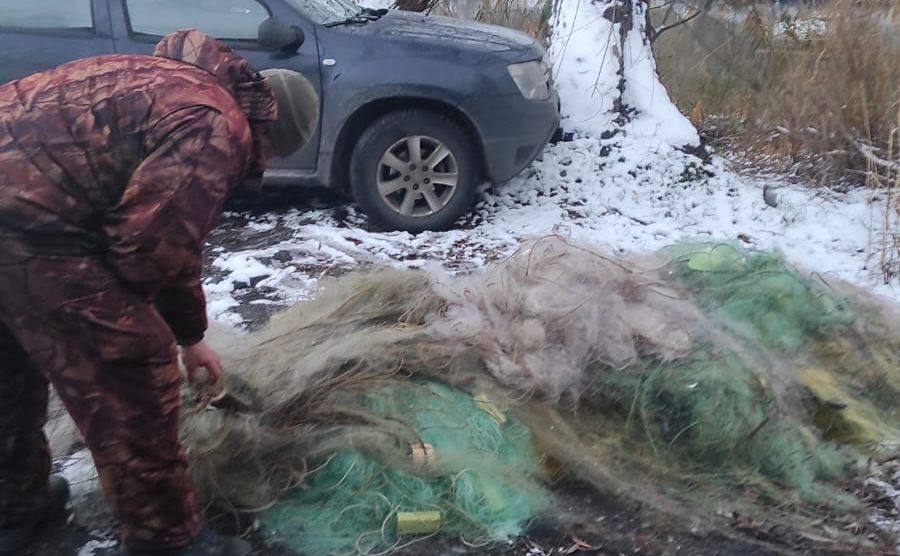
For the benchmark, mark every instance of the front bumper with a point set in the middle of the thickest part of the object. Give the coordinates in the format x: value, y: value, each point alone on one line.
x: 514, y: 131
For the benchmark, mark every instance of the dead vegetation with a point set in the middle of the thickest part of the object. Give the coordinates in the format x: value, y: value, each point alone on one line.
x: 531, y: 17
x: 887, y: 240
x: 815, y: 91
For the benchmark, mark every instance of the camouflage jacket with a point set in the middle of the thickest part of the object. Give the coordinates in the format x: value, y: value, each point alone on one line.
x: 129, y: 158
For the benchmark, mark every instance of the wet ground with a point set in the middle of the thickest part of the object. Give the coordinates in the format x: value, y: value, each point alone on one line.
x: 601, y: 528
x: 582, y: 521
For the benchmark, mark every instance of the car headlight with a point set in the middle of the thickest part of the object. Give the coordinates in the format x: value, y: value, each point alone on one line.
x: 532, y: 79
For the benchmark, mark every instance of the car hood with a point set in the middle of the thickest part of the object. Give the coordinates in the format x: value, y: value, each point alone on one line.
x: 448, y: 31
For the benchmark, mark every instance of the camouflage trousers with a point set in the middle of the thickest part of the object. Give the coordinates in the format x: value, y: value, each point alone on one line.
x: 112, y: 360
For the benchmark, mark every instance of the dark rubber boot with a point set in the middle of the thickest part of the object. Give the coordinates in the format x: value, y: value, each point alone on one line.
x: 13, y: 539
x: 207, y: 544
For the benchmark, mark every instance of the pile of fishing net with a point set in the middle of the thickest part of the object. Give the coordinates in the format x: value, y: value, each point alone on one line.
x: 397, y: 404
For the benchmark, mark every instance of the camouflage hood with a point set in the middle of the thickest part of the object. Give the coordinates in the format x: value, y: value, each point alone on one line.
x: 248, y: 87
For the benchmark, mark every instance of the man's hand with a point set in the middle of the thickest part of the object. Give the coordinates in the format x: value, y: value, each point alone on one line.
x: 198, y: 356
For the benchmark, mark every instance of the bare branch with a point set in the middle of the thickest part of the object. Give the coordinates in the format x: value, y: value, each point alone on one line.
x: 653, y: 34
x: 663, y: 5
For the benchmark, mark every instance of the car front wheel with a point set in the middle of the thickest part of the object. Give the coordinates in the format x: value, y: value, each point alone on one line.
x: 414, y: 170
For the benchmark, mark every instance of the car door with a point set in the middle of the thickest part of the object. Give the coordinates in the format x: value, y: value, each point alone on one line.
x: 139, y: 24
x: 39, y: 35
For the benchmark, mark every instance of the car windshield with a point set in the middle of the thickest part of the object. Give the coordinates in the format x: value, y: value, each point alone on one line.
x: 326, y: 11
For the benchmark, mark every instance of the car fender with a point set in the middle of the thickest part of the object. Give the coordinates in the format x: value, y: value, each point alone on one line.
x: 363, y: 107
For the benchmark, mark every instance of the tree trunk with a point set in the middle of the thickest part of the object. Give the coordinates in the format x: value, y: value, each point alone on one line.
x: 606, y: 73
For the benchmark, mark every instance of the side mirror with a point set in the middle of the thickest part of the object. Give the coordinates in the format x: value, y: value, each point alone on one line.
x: 275, y: 34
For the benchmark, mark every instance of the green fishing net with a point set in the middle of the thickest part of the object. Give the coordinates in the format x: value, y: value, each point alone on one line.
x: 717, y: 416
x: 768, y: 399
x: 770, y: 301
x: 481, y: 477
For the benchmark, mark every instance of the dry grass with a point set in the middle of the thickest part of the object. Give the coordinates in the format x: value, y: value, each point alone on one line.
x: 887, y: 241
x: 815, y: 91
x: 518, y: 15
x: 529, y: 17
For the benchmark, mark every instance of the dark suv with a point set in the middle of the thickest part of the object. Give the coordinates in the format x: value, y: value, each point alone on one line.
x: 416, y: 111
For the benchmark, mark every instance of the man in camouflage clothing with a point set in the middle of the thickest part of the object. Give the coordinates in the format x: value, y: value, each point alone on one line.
x: 113, y: 170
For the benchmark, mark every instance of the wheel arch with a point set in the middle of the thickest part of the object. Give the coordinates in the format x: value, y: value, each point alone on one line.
x: 367, y: 114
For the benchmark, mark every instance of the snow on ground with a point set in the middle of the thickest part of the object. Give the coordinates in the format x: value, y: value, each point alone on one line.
x: 637, y: 197
x: 377, y: 4
x: 93, y: 546
x: 78, y: 470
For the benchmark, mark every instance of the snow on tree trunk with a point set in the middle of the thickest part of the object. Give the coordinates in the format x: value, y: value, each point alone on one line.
x: 606, y: 74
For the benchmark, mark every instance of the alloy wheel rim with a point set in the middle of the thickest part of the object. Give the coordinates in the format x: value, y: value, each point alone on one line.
x: 417, y: 176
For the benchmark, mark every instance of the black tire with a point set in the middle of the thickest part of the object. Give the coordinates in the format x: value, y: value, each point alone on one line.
x: 391, y: 132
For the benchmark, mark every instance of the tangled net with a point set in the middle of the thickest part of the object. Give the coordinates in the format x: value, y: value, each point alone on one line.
x: 398, y: 403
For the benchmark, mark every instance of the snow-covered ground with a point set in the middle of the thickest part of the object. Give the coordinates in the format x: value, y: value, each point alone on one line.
x: 632, y: 199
